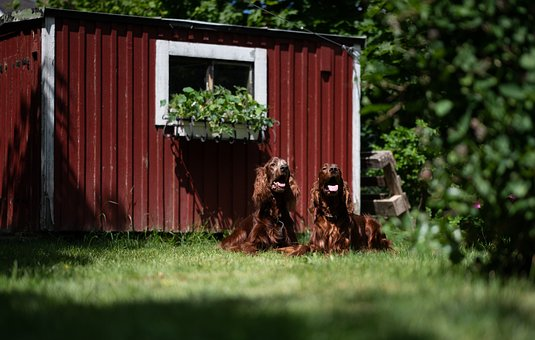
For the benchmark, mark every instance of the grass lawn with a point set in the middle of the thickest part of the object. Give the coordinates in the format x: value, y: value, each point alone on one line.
x: 161, y: 286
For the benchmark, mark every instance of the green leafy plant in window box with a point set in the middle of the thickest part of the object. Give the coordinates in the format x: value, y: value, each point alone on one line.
x: 218, y: 114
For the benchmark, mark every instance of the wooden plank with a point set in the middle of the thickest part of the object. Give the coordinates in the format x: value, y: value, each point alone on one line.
x: 377, y: 159
x: 398, y: 202
x: 393, y: 206
x: 392, y: 180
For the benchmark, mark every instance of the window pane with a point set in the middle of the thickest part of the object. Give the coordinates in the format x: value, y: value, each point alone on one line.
x: 185, y: 71
x: 229, y: 75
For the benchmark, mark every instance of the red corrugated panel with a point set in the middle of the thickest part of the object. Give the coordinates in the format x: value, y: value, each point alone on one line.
x: 310, y: 90
x: 314, y: 127
x: 20, y: 160
x: 156, y: 149
x: 76, y: 129
x: 300, y: 107
x: 327, y: 113
x: 62, y: 172
x: 116, y: 171
x: 93, y: 118
x: 140, y: 124
x: 4, y: 93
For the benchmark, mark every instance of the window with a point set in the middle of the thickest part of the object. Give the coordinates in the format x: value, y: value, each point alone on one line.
x: 203, y: 74
x: 202, y: 66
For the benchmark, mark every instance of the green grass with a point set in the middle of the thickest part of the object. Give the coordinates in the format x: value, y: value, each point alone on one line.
x: 161, y: 286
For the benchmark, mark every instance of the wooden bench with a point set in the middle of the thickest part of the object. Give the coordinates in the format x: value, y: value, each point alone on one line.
x: 390, y: 200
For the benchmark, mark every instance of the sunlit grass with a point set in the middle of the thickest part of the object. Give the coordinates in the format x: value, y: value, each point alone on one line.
x: 163, y: 286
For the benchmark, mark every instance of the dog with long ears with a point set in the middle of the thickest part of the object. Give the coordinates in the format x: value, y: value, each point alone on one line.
x: 336, y: 228
x: 270, y: 225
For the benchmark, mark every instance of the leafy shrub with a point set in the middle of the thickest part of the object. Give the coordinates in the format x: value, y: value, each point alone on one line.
x: 468, y: 69
x: 413, y: 152
x: 151, y: 8
x: 220, y: 108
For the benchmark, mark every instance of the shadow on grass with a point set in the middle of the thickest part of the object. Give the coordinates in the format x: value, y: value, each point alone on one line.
x: 37, y: 252
x: 29, y: 316
x: 372, y: 313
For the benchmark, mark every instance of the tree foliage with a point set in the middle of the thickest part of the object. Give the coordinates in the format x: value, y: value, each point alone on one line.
x: 129, y: 7
x: 412, y: 148
x: 468, y: 69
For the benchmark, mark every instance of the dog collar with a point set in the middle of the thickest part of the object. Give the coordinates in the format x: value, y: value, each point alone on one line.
x: 330, y: 217
x: 281, y: 224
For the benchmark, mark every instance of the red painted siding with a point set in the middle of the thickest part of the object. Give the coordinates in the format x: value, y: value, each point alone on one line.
x: 20, y: 99
x: 114, y: 170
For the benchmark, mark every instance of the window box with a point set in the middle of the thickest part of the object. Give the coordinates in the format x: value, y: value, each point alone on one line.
x: 191, y: 129
x: 219, y: 114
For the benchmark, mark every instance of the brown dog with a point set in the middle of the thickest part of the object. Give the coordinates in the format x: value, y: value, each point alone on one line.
x: 270, y: 225
x: 336, y: 228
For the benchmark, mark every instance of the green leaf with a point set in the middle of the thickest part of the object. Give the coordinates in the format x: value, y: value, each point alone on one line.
x: 220, y: 107
x: 527, y: 60
x: 443, y: 107
x: 512, y: 91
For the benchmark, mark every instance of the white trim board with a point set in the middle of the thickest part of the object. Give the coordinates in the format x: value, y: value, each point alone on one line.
x: 355, y: 121
x: 166, y: 48
x: 48, y: 47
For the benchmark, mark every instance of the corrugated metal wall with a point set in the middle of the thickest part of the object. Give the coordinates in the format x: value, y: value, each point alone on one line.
x: 20, y: 100
x: 310, y: 94
x: 115, y: 170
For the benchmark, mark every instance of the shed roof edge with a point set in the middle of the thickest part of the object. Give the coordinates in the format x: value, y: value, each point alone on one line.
x: 32, y: 14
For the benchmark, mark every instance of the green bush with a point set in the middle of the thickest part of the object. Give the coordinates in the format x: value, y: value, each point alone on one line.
x: 468, y: 69
x: 221, y: 108
x: 413, y: 152
x: 150, y: 8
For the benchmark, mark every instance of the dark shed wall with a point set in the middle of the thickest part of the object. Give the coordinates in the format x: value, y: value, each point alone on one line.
x: 114, y: 170
x: 20, y: 100
x: 310, y: 94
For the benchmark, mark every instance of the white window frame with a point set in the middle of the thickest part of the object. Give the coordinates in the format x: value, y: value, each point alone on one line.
x: 166, y: 48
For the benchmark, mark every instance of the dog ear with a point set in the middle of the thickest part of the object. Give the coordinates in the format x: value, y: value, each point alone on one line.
x: 293, y: 193
x: 348, y: 198
x: 314, y: 196
x: 261, y: 187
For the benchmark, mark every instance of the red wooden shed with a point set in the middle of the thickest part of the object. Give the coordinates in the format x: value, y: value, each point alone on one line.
x: 82, y: 144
